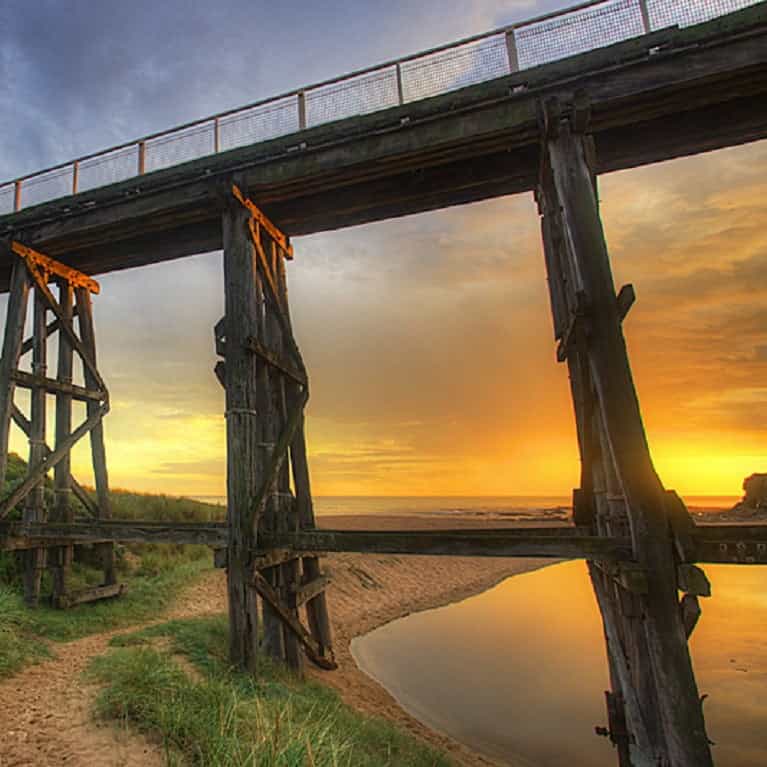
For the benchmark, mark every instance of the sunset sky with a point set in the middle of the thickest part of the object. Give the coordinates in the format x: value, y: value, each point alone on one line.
x: 428, y: 339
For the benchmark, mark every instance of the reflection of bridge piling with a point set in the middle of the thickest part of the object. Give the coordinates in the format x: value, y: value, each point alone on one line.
x: 550, y: 129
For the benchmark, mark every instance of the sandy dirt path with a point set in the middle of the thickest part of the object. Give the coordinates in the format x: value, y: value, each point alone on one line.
x: 46, y: 710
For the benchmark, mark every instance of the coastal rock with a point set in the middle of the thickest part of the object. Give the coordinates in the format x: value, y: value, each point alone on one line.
x: 754, y: 501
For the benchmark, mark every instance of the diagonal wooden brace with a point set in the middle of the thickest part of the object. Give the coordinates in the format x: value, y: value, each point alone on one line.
x: 39, y: 471
x: 313, y: 650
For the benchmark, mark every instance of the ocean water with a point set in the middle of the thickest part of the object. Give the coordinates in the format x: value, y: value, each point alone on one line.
x: 522, y: 507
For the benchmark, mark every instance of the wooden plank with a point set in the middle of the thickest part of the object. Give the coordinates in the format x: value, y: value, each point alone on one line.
x: 242, y: 312
x: 312, y: 589
x: 98, y: 450
x: 285, y: 366
x: 34, y: 507
x: 263, y: 220
x: 51, y: 266
x: 60, y: 560
x: 313, y: 649
x: 678, y: 709
x: 9, y: 361
x: 120, y: 531
x: 495, y: 543
x: 317, y: 612
x: 53, y: 386
x: 94, y: 594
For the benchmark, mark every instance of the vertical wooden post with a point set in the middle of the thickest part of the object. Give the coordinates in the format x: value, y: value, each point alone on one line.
x: 317, y: 608
x: 646, y: 639
x: 61, y: 558
x: 242, y: 313
x: 98, y: 451
x: 289, y: 571
x: 34, y: 507
x: 17, y: 195
x: 13, y: 339
x: 274, y: 644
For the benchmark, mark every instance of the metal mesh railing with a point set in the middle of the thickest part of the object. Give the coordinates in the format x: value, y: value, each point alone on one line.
x: 532, y: 43
x: 578, y: 32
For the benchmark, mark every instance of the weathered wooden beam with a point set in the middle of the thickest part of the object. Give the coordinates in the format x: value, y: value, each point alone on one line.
x: 93, y: 594
x: 310, y: 590
x: 98, y: 450
x: 313, y: 649
x: 16, y: 316
x: 242, y: 311
x: 120, y: 531
x: 50, y: 266
x: 730, y: 544
x: 54, y: 386
x: 284, y: 366
x: 487, y: 543
x: 34, y: 507
x: 60, y: 560
x: 676, y: 708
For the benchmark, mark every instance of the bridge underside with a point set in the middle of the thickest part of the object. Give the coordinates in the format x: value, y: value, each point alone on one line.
x: 665, y: 95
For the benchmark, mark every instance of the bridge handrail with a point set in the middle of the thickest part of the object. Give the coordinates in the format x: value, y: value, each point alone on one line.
x: 511, y: 48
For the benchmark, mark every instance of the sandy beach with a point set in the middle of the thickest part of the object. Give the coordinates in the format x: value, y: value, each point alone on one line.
x: 50, y: 723
x: 368, y: 591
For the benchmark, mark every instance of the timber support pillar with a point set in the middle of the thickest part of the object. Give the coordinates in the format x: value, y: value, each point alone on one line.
x: 655, y: 711
x: 34, y: 271
x: 267, y: 389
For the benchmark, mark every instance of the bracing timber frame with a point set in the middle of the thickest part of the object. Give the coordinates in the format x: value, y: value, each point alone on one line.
x: 654, y: 708
x: 33, y: 272
x: 267, y: 389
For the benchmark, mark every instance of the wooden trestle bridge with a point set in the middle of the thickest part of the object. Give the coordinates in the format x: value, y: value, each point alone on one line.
x: 549, y: 129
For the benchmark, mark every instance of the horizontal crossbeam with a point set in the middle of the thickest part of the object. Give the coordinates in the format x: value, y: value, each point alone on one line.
x: 739, y: 544
x: 258, y: 215
x: 50, y: 266
x: 206, y: 533
x: 31, y: 381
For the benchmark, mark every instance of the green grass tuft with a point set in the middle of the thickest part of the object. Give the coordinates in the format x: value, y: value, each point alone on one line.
x: 224, y: 718
x: 18, y: 645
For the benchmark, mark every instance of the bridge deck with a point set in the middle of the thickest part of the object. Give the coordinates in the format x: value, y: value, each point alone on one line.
x: 664, y: 95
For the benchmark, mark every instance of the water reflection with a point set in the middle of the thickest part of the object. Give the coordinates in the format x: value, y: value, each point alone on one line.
x: 518, y: 673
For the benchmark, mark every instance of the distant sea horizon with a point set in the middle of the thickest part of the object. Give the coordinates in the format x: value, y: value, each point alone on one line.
x: 481, y: 505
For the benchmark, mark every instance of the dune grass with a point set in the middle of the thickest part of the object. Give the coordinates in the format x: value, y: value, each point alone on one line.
x: 153, y: 573
x: 217, y: 717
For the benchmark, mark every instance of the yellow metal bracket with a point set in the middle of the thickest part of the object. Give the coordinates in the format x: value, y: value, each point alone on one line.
x: 49, y: 267
x: 260, y: 217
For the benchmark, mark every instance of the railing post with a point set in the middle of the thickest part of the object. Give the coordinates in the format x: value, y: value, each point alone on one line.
x: 75, y: 176
x: 400, y: 88
x: 216, y: 135
x: 511, y: 50
x: 645, y: 16
x: 17, y: 195
x: 141, y: 157
x: 301, y: 110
